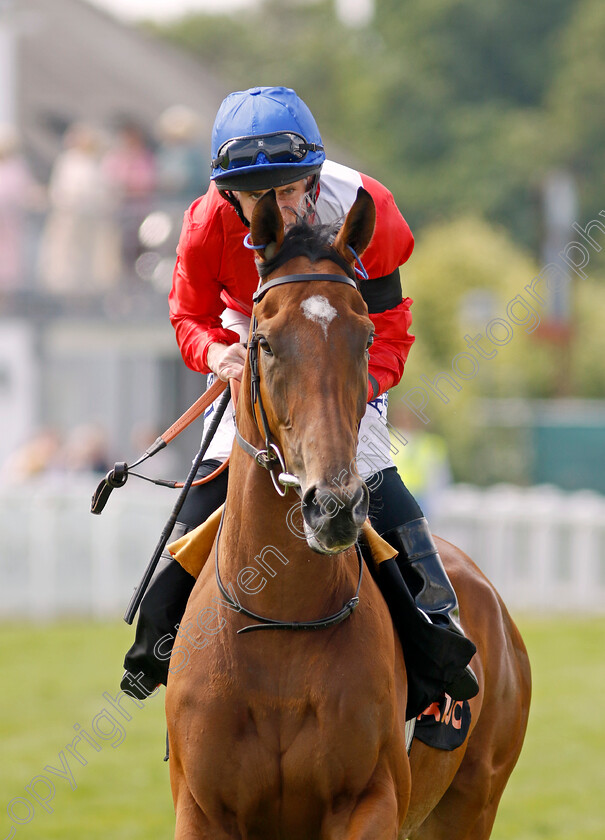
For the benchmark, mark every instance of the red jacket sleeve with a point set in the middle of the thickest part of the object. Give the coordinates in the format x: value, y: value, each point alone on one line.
x: 195, y: 298
x: 389, y: 352
x: 390, y: 247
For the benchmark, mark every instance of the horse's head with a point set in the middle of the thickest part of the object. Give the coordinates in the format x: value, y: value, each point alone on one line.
x: 312, y: 344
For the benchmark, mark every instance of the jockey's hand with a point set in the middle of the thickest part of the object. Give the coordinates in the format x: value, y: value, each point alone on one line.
x: 227, y: 360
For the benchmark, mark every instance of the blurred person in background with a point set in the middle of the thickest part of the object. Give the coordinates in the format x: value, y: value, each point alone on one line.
x: 19, y: 194
x: 182, y: 170
x: 48, y: 454
x: 266, y: 138
x: 86, y: 450
x: 79, y: 248
x: 182, y: 174
x: 129, y: 166
x: 38, y: 456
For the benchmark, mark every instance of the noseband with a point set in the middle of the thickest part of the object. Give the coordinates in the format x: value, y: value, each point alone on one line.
x: 271, y: 458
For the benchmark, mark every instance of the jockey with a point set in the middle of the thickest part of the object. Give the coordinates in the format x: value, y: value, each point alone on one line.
x: 266, y: 138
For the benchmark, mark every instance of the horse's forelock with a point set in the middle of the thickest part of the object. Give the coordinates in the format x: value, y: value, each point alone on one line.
x: 305, y: 240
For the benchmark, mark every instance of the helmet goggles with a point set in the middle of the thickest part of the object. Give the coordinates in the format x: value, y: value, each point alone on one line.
x: 278, y: 147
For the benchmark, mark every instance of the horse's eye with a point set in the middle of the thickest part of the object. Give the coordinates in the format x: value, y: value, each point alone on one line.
x: 265, y: 346
x: 370, y: 341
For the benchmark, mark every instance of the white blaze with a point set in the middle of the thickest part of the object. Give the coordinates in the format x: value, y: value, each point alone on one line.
x: 319, y: 309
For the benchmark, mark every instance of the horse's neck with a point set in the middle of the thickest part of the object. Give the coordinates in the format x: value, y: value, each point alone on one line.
x: 263, y: 556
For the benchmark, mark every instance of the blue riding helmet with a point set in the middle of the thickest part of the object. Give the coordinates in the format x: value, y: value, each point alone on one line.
x: 264, y: 137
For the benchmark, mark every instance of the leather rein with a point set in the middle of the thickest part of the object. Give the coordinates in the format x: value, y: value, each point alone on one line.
x: 272, y: 459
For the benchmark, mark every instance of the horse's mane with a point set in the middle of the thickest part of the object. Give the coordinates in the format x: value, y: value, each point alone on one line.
x: 305, y: 240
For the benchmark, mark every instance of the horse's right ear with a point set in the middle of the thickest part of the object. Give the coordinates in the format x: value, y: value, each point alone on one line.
x: 266, y: 227
x: 358, y: 227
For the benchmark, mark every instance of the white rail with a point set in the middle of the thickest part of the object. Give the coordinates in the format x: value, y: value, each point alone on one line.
x: 543, y: 549
x: 56, y: 558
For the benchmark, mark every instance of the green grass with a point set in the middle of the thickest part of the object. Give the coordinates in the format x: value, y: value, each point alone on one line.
x: 556, y: 790
x: 54, y: 677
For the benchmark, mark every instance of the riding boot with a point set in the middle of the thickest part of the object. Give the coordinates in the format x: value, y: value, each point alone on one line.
x: 433, y: 594
x: 161, y: 610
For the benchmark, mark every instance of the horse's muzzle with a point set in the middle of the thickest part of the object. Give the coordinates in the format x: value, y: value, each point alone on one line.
x: 333, y: 516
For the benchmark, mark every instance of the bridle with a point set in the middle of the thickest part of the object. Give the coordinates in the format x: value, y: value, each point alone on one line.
x: 272, y: 459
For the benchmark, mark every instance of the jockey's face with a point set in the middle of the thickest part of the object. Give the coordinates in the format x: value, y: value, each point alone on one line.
x: 289, y: 199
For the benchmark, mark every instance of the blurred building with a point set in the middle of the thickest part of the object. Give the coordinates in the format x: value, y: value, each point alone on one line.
x: 85, y: 354
x: 77, y: 63
x: 558, y: 442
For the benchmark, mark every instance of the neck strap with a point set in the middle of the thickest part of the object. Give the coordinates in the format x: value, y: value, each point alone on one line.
x: 266, y: 623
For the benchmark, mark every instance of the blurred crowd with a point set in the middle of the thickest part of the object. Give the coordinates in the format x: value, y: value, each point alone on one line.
x: 111, y: 211
x: 47, y: 453
x: 84, y: 449
x: 98, y: 235
x: 108, y: 221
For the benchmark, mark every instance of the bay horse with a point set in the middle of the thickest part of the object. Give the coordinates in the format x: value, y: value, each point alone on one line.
x: 296, y: 732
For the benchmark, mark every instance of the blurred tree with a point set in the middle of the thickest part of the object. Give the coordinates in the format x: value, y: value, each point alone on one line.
x: 462, y: 275
x: 588, y: 349
x: 461, y: 107
x: 576, y: 103
x: 462, y: 91
x: 468, y: 278
x: 443, y: 100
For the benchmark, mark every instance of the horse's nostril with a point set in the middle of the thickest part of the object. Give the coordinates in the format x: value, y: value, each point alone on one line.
x: 310, y: 505
x: 321, y: 505
x: 308, y: 497
x: 360, y: 504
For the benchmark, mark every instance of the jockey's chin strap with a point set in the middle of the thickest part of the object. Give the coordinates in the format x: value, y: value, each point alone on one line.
x: 271, y: 457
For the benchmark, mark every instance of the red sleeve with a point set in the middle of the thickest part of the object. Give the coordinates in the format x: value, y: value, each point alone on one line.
x: 195, y: 298
x: 392, y: 242
x: 389, y: 352
x: 390, y: 247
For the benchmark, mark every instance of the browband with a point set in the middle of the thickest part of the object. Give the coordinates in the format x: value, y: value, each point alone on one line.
x: 301, y: 278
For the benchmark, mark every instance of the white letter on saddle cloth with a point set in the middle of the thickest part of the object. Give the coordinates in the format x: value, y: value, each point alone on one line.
x: 319, y: 309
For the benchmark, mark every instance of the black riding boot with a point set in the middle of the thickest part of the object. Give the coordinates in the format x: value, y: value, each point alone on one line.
x: 433, y: 594
x: 161, y: 610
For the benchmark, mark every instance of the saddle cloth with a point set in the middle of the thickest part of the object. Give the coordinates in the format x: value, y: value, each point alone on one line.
x: 193, y: 549
x: 444, y: 724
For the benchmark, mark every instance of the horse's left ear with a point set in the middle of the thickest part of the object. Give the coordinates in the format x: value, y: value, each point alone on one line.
x: 358, y: 228
x: 266, y: 227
